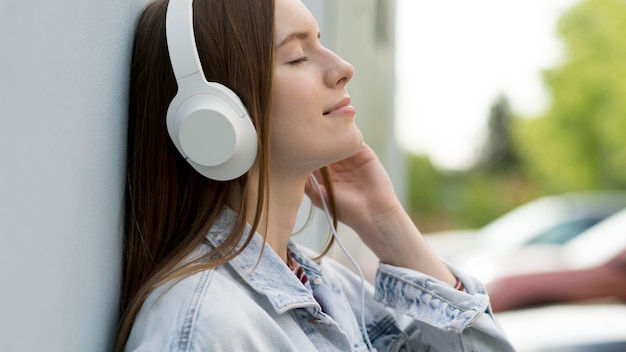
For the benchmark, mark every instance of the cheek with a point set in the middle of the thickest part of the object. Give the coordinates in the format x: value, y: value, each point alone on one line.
x: 293, y: 129
x: 294, y: 107
x: 290, y: 96
x: 290, y: 127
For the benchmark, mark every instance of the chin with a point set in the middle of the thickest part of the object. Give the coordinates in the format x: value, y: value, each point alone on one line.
x: 358, y: 141
x: 352, y: 146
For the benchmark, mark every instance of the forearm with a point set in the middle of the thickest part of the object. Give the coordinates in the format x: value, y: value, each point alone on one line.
x: 395, y: 240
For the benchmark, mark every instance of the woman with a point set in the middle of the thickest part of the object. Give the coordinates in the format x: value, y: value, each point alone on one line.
x: 209, y: 264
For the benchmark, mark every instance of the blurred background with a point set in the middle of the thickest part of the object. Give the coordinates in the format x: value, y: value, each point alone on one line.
x: 502, y: 125
x: 500, y: 122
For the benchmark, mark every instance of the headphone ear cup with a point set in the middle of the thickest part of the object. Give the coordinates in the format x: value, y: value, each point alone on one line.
x: 212, y: 130
x: 206, y: 130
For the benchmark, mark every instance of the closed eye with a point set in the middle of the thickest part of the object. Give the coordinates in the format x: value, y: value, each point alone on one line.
x: 299, y: 61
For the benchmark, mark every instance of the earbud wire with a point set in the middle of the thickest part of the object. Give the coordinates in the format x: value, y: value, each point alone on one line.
x: 350, y: 258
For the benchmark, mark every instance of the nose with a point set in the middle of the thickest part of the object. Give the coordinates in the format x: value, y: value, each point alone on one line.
x: 339, y: 71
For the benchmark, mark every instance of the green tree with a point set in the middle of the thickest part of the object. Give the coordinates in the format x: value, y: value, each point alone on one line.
x: 498, y: 153
x: 580, y: 142
x: 469, y: 199
x: 424, y: 200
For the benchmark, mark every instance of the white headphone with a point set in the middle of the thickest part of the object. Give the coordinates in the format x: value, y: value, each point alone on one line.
x: 207, y: 121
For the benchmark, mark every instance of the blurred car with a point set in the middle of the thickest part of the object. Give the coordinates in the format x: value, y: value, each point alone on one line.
x: 592, y: 325
x: 525, y: 233
x: 587, y: 248
x: 567, y: 328
x: 597, y: 244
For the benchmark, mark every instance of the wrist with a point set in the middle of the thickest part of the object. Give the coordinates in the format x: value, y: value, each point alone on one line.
x: 397, y: 241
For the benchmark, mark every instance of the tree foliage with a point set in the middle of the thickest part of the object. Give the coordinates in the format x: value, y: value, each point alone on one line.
x: 498, y: 153
x: 580, y: 142
x: 468, y: 199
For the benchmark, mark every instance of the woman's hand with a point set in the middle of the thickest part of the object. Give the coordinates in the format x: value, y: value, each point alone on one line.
x: 363, y: 190
x: 366, y: 201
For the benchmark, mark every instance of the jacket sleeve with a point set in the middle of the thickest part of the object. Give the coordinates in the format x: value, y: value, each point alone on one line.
x: 436, y: 317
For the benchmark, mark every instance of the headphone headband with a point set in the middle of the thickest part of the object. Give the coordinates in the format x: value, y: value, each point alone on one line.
x: 180, y: 38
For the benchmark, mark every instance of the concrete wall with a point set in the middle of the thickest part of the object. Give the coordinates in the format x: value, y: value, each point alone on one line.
x: 63, y: 100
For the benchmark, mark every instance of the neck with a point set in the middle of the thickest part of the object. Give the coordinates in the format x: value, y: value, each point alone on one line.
x: 279, y: 215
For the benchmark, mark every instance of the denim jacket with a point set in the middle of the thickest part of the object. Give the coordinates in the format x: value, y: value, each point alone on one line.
x: 256, y: 303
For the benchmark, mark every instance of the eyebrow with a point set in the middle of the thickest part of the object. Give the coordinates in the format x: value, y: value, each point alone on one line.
x: 294, y: 36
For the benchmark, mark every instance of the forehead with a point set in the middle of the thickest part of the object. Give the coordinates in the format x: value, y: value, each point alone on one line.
x: 292, y: 16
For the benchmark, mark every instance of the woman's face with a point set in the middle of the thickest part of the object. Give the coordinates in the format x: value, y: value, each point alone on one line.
x: 312, y: 119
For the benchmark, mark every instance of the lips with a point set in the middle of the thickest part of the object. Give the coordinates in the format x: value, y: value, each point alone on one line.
x: 342, y: 105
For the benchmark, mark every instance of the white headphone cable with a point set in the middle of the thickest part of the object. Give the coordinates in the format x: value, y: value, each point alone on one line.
x: 354, y: 263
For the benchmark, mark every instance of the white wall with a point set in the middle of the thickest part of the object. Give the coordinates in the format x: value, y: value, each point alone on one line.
x: 63, y: 99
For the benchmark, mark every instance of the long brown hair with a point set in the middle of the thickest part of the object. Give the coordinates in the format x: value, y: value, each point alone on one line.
x: 169, y: 206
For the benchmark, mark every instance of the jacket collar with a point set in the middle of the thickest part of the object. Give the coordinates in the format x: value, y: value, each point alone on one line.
x: 262, y: 269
